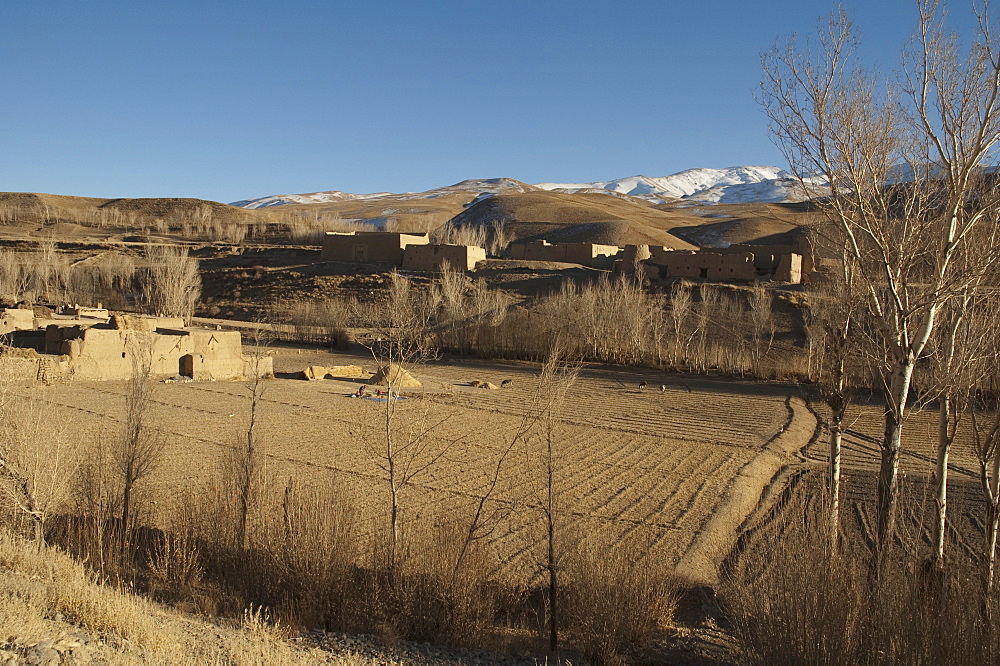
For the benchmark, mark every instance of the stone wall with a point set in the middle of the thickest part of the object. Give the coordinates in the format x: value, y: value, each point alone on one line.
x: 375, y: 247
x: 433, y: 257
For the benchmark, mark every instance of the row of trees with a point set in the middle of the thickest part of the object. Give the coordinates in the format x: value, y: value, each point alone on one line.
x: 696, y: 327
x: 914, y: 211
x: 164, y: 280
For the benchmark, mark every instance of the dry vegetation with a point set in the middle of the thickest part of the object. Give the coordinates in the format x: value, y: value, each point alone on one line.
x: 642, y: 488
x: 548, y: 508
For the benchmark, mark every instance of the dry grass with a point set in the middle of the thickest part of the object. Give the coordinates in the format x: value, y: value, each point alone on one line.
x: 39, y: 586
x: 793, y: 601
x: 616, y: 599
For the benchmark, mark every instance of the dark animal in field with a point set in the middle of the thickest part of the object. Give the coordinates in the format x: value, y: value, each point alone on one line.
x: 507, y: 383
x: 663, y: 388
x: 642, y: 385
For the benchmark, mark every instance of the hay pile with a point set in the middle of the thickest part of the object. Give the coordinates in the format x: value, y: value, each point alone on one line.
x: 315, y: 372
x: 395, y: 374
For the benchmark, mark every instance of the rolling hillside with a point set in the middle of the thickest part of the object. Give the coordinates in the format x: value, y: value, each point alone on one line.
x: 596, y: 218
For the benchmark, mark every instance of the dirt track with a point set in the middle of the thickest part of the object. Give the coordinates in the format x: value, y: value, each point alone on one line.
x: 674, y: 472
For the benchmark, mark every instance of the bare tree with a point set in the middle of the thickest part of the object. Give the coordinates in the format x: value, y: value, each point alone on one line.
x: 138, y: 450
x: 543, y: 456
x: 36, y: 461
x: 680, y: 313
x: 957, y: 363
x: 403, y: 443
x: 500, y: 238
x: 247, y: 458
x: 903, y: 162
x: 832, y: 312
x: 173, y: 284
x: 986, y: 443
x: 15, y: 278
x: 762, y: 330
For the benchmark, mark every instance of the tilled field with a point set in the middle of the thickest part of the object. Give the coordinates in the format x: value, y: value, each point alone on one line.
x: 647, y: 466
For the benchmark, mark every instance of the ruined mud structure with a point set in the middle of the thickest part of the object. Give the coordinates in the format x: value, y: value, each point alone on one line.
x: 739, y: 263
x: 435, y: 257
x: 413, y: 252
x: 97, y: 350
x: 585, y: 254
x: 16, y: 319
x: 369, y: 247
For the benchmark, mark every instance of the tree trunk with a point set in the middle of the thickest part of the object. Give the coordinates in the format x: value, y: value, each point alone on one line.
x: 888, y: 476
x: 888, y: 484
x: 551, y: 527
x: 941, y: 479
x: 553, y: 590
x: 992, y: 487
x: 836, y: 432
x: 991, y: 549
x: 244, y: 509
x: 126, y: 507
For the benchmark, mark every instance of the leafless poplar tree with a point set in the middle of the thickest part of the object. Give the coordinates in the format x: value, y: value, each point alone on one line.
x: 986, y: 443
x: 403, y: 445
x: 543, y: 455
x: 138, y: 450
x: 680, y: 313
x: 832, y: 314
x: 903, y: 159
x: 762, y: 330
x: 247, y: 458
x: 173, y: 284
x: 958, y: 362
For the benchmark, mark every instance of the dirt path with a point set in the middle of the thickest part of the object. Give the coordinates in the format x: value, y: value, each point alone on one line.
x: 700, y: 563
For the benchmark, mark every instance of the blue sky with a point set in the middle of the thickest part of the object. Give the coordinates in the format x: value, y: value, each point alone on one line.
x: 231, y: 100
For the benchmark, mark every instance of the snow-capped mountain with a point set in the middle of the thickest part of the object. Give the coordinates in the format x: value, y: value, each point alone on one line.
x: 310, y: 198
x: 476, y: 186
x: 739, y: 184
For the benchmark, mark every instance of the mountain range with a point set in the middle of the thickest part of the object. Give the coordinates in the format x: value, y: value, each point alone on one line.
x: 739, y: 184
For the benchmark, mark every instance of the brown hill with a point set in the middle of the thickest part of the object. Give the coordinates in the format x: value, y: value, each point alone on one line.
x: 413, y: 211
x: 579, y: 217
x: 29, y: 214
x: 400, y: 214
x: 756, y: 223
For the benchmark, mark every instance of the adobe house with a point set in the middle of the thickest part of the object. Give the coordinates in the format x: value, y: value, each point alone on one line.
x: 802, y: 248
x: 105, y: 351
x: 585, y: 254
x: 433, y: 257
x: 16, y: 319
x: 369, y: 247
x: 739, y: 265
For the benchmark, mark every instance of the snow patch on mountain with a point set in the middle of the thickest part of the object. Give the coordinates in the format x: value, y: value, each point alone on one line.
x: 476, y: 187
x: 738, y: 184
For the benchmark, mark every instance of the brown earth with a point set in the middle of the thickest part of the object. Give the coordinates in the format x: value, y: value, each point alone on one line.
x: 645, y: 466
